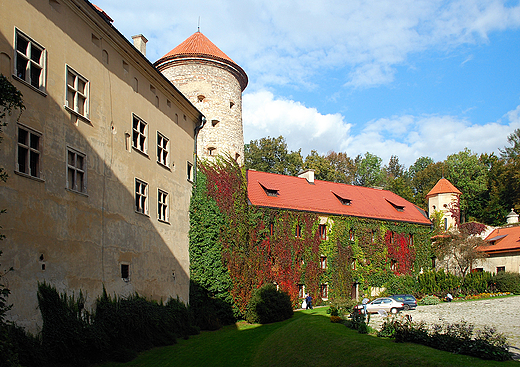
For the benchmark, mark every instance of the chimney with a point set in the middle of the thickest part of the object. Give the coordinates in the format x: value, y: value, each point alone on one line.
x: 512, y: 217
x: 308, y: 174
x: 140, y: 43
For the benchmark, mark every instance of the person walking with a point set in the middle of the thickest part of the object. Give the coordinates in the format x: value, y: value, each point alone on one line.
x: 308, y: 299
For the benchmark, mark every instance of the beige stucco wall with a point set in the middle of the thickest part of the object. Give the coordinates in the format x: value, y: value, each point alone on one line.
x: 222, y: 102
x: 511, y: 261
x: 81, y: 240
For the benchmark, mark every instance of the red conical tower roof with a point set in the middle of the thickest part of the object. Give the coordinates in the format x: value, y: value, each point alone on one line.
x: 198, y: 46
x: 443, y: 186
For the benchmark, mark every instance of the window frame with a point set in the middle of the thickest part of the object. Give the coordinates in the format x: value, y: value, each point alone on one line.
x: 42, y: 64
x: 127, y: 267
x: 142, y: 206
x: 322, y: 230
x: 323, y: 262
x: 30, y: 149
x: 163, y: 206
x: 137, y: 133
x: 161, y: 150
x: 77, y: 94
x: 189, y: 171
x: 76, y: 169
x: 324, y: 291
x: 298, y: 231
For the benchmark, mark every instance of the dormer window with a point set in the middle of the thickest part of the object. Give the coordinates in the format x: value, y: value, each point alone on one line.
x: 399, y: 208
x: 269, y: 190
x: 343, y: 200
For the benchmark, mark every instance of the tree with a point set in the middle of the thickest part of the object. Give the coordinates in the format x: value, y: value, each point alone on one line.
x: 369, y: 172
x: 460, y: 248
x: 333, y: 167
x: 512, y: 153
x: 271, y: 155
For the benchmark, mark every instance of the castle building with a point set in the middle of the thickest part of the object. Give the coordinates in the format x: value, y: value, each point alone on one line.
x: 214, y: 84
x: 443, y: 197
x: 100, y: 163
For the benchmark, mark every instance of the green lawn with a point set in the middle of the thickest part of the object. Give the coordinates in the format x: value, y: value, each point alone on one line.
x: 307, y: 339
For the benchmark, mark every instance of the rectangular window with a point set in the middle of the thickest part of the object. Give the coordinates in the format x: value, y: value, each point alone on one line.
x: 28, y: 154
x: 29, y: 61
x: 76, y: 171
x: 139, y: 134
x: 162, y: 149
x: 271, y: 229
x: 410, y: 242
x: 322, y: 228
x: 162, y: 206
x: 301, y: 291
x: 125, y: 272
x: 351, y: 235
x: 298, y: 231
x: 324, y: 291
x: 189, y: 171
x: 141, y: 196
x: 501, y: 269
x: 77, y: 93
x: 323, y: 262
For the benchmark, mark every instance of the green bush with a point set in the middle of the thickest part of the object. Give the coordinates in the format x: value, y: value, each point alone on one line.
x: 437, y: 282
x: 506, y: 282
x: 344, y: 306
x: 269, y: 305
x: 402, y: 284
x: 429, y: 300
x: 475, y: 283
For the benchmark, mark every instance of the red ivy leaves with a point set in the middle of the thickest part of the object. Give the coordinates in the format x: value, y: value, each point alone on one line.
x: 400, y: 251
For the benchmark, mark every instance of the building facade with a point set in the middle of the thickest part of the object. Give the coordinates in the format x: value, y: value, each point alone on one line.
x: 214, y: 84
x: 100, y: 163
x: 443, y: 197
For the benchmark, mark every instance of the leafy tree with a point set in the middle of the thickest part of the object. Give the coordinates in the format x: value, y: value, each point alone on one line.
x: 513, y: 152
x: 333, y: 167
x: 271, y: 155
x: 424, y: 181
x: 369, y: 171
x: 420, y: 164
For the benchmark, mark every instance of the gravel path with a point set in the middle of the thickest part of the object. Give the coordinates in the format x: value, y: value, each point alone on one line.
x: 501, y: 313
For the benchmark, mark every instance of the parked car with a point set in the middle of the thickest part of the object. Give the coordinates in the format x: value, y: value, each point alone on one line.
x: 410, y: 303
x: 384, y: 303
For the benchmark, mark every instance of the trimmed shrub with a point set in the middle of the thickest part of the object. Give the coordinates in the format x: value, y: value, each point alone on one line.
x: 402, y: 284
x: 269, y: 305
x: 475, y: 283
x: 429, y: 300
x: 506, y: 282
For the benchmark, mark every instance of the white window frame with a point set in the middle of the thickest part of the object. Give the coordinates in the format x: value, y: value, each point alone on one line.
x: 141, y: 197
x: 77, y: 93
x: 72, y: 167
x: 139, y: 134
x: 163, y: 150
x: 31, y: 63
x: 31, y: 152
x: 163, y: 207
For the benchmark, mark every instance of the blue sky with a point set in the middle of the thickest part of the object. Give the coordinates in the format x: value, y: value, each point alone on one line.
x: 409, y: 78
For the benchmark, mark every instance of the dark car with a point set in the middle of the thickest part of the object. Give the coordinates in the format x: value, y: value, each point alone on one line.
x: 410, y: 303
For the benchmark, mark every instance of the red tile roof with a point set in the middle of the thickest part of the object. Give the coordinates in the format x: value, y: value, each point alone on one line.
x: 199, y: 46
x: 503, y: 240
x: 295, y: 193
x: 443, y: 186
x: 103, y: 13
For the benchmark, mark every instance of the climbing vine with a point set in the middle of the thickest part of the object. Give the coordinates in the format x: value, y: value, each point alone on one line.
x: 244, y: 247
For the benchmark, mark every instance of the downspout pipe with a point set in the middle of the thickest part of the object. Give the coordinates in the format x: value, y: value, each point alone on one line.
x: 197, y: 130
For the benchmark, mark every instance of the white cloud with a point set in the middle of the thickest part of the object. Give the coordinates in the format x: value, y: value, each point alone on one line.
x: 408, y: 137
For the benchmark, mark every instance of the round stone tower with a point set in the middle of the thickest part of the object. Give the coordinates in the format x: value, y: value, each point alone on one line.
x: 214, y: 84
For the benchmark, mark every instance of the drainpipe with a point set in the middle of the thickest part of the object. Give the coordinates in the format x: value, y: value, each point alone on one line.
x: 197, y: 129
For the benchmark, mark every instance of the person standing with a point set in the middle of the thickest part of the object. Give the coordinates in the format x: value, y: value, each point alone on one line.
x: 308, y: 299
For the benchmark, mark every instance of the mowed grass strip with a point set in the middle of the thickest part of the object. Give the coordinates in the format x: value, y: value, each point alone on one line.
x: 307, y: 339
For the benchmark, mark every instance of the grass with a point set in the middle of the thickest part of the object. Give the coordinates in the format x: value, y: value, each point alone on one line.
x: 307, y: 339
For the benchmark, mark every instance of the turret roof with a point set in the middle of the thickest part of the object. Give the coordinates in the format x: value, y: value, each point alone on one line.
x: 199, y: 46
x: 443, y: 186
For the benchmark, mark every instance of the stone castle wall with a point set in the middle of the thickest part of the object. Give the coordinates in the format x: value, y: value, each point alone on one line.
x: 216, y: 92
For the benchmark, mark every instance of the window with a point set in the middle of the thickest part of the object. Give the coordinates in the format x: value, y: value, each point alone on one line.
x: 212, y: 151
x: 434, y: 262
x: 501, y: 269
x: 214, y: 123
x: 125, y: 272
x: 29, y: 61
x: 393, y: 265
x: 301, y: 291
x: 162, y: 206
x: 139, y: 134
x: 77, y: 93
x: 478, y: 270
x: 141, y: 197
x: 445, y: 224
x: 28, y: 155
x: 271, y: 229
x: 189, y: 171
x: 76, y: 175
x: 162, y: 149
x: 323, y: 262
x: 351, y: 235
x: 322, y: 229
x: 372, y: 236
x: 324, y: 291
x: 298, y: 231
x: 410, y: 240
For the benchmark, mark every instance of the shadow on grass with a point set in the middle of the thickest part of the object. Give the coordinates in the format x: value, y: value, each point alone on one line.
x: 307, y: 339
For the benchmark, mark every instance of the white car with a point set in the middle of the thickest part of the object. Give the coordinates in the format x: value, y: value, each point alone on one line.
x: 384, y: 303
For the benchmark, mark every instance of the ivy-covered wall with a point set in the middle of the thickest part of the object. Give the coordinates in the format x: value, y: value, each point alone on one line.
x: 236, y: 248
